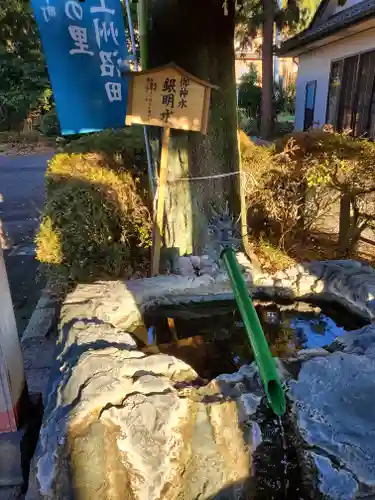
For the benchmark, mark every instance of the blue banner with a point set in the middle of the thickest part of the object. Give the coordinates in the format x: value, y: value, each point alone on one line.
x: 84, y: 45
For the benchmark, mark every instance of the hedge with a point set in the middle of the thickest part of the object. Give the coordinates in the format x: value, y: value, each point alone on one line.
x: 96, y: 222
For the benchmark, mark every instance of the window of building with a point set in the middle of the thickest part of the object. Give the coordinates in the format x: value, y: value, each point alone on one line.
x: 334, y: 92
x: 365, y: 89
x: 351, y: 100
x: 309, y: 105
x: 347, y: 94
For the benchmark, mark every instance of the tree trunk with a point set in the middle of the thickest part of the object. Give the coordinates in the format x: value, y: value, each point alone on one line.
x: 344, y: 224
x: 266, y: 123
x: 198, y: 36
x: 354, y: 240
x: 301, y: 212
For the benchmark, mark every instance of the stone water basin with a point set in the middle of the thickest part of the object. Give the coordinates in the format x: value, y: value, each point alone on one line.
x: 211, y: 338
x: 119, y: 416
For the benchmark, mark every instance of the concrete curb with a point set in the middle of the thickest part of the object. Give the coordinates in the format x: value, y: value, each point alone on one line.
x: 43, y: 318
x: 37, y: 345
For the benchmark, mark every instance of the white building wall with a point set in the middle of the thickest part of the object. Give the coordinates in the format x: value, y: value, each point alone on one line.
x: 315, y: 65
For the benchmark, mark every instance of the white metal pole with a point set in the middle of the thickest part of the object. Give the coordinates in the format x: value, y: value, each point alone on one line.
x: 12, y: 376
x: 150, y: 168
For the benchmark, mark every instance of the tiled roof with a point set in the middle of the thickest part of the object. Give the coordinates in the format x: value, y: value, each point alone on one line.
x: 346, y: 17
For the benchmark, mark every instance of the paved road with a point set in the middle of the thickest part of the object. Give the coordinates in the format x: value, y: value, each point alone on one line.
x: 22, y: 188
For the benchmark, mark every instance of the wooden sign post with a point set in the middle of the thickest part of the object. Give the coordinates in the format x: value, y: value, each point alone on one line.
x: 167, y: 97
x: 158, y: 229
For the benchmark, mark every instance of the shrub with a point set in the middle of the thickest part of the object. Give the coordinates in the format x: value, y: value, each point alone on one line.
x: 255, y: 158
x: 256, y: 161
x: 95, y: 221
x: 118, y: 146
x: 282, y: 128
x: 289, y: 188
x: 124, y: 146
x: 49, y: 123
x: 250, y: 98
x: 285, y: 98
x: 249, y: 93
x: 272, y: 258
x: 343, y: 166
x: 323, y: 144
x: 280, y: 204
x: 243, y: 120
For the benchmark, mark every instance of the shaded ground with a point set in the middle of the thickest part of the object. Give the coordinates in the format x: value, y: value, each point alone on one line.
x: 318, y: 245
x: 324, y: 246
x: 25, y: 143
x: 25, y: 286
x: 22, y: 189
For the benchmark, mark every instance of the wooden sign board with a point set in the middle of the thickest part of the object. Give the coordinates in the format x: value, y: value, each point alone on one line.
x: 168, y: 97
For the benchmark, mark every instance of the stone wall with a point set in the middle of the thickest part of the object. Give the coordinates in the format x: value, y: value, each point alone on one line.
x: 119, y: 424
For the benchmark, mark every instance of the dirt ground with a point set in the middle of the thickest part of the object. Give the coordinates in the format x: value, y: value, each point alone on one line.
x: 13, y: 143
x: 317, y: 246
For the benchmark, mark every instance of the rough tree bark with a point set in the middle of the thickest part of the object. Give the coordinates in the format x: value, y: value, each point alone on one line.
x: 345, y: 223
x: 198, y: 36
x: 351, y: 225
x: 266, y: 124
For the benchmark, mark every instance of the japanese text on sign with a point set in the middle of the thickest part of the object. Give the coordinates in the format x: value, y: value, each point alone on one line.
x: 169, y: 94
x: 151, y: 87
x: 48, y: 11
x: 168, y: 97
x: 104, y: 32
x: 85, y: 46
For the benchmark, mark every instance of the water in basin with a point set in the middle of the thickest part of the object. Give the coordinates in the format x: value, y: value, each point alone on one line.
x: 211, y: 336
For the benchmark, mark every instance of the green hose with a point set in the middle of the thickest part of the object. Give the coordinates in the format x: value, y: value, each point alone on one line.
x: 267, y: 368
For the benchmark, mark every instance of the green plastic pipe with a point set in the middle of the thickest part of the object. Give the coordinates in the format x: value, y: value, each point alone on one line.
x: 263, y: 357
